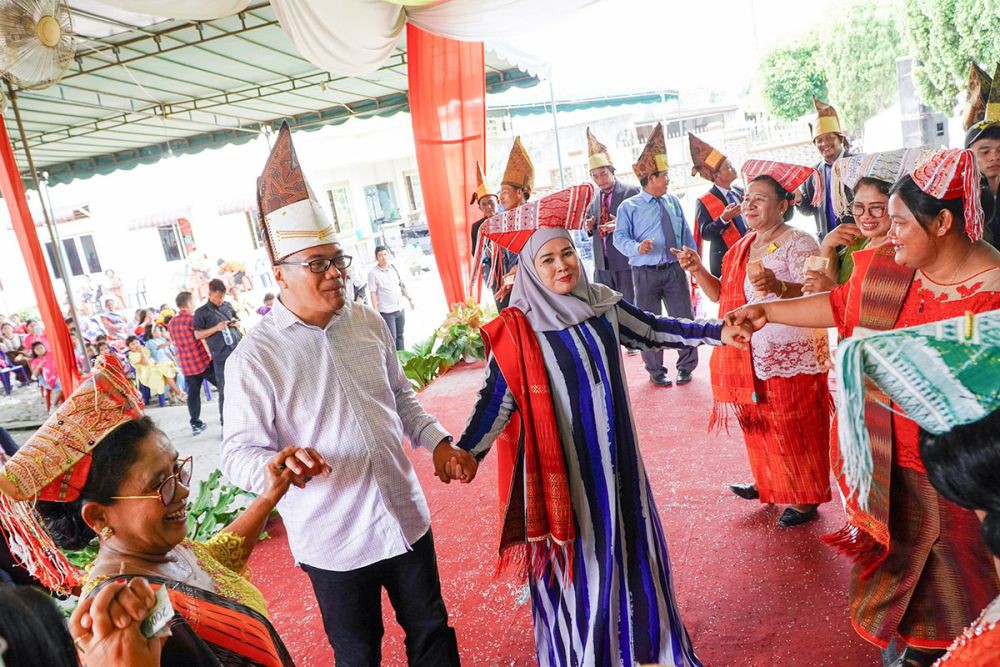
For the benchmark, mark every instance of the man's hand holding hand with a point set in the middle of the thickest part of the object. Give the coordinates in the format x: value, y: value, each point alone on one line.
x: 450, y: 463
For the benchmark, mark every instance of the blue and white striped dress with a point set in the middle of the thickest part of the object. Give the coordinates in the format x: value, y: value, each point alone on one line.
x: 620, y: 608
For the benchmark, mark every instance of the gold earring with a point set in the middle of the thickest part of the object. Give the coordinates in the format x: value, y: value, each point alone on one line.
x: 106, y: 533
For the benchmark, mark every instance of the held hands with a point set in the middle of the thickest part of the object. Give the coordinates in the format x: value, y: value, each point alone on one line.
x: 688, y: 259
x: 818, y: 281
x: 292, y: 465
x: 450, y: 463
x: 753, y: 317
x: 105, y: 627
x: 736, y: 335
x: 646, y: 246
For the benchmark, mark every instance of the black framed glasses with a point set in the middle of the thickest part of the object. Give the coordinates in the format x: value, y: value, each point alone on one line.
x: 323, y: 265
x: 874, y: 211
x: 167, y: 491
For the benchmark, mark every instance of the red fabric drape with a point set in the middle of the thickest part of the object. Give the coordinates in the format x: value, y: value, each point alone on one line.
x: 448, y: 112
x: 24, y: 227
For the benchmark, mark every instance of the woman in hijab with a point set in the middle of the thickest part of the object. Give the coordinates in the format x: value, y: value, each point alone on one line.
x: 577, y: 512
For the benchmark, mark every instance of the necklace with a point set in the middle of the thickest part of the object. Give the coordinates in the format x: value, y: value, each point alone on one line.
x: 771, y: 241
x: 951, y: 281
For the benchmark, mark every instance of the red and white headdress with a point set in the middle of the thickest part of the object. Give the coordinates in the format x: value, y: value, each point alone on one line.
x: 789, y: 176
x: 950, y: 174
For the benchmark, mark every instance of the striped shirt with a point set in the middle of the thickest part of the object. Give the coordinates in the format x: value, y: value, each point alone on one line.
x: 341, y: 390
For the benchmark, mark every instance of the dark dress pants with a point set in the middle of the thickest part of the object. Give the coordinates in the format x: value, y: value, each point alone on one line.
x: 194, y: 385
x: 670, y: 287
x: 351, y: 605
x: 396, y: 321
x: 620, y: 281
x: 219, y: 366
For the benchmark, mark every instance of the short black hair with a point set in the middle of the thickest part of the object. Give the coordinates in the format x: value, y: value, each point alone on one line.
x: 645, y: 179
x: 269, y: 297
x: 34, y: 629
x: 217, y: 286
x: 110, y: 462
x: 925, y: 207
x: 781, y: 192
x: 183, y: 299
x: 128, y: 341
x: 380, y: 248
x: 964, y: 466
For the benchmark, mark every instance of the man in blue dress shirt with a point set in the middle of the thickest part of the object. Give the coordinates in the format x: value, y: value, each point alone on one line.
x: 650, y: 224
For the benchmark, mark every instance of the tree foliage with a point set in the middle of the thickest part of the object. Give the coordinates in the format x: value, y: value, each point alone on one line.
x: 859, y: 53
x: 790, y: 77
x: 945, y: 36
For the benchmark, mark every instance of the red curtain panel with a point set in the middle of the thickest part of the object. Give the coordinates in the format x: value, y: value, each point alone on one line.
x: 448, y: 112
x: 24, y: 227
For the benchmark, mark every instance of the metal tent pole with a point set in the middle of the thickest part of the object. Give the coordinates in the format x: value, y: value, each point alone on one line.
x: 57, y: 248
x: 555, y: 124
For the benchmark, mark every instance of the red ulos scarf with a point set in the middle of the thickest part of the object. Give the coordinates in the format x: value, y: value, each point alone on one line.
x: 536, y: 513
x: 732, y: 368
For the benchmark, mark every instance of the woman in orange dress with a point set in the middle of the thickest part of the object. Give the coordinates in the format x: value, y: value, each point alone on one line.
x: 921, y: 570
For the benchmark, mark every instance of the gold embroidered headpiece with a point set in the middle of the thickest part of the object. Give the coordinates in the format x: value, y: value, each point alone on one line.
x: 653, y: 158
x: 520, y: 172
x: 293, y: 219
x: 704, y: 157
x: 827, y: 120
x: 597, y: 153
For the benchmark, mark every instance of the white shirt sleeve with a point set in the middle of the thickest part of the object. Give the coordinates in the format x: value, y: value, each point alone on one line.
x: 249, y: 439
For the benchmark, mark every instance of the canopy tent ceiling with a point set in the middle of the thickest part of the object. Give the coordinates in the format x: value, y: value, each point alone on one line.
x: 144, y: 88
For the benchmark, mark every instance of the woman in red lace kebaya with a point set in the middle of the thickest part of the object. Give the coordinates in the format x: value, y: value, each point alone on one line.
x: 777, y: 389
x: 922, y: 571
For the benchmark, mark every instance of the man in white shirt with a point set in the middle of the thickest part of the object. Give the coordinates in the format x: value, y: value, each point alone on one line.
x: 387, y: 291
x: 321, y: 370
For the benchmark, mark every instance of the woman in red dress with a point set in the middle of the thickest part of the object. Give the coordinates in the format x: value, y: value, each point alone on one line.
x: 922, y: 572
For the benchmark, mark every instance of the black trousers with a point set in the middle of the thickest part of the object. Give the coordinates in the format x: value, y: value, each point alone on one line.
x: 396, y: 321
x: 670, y: 287
x: 194, y: 384
x: 351, y: 604
x: 219, y: 367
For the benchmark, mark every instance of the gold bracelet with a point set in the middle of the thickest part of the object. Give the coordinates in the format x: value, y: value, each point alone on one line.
x: 784, y: 288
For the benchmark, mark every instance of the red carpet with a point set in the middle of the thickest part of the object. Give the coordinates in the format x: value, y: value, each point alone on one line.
x: 749, y: 592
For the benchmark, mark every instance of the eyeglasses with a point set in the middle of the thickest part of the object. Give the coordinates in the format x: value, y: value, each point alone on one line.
x: 874, y: 211
x: 323, y: 265
x: 167, y: 491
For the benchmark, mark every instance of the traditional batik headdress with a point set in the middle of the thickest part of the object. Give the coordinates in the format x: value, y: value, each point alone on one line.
x: 789, y: 176
x: 983, y: 100
x: 951, y: 174
x: 482, y: 190
x: 887, y: 166
x: 703, y: 156
x: 597, y: 153
x: 827, y: 120
x: 944, y: 374
x: 520, y: 172
x: 54, y: 463
x: 511, y: 229
x: 653, y: 159
x: 292, y: 218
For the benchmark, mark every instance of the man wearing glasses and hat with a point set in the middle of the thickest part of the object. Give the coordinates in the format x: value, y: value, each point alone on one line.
x: 322, y: 370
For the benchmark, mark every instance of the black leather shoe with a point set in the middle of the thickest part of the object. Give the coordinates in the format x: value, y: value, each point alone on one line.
x: 660, y: 380
x: 683, y: 377
x: 746, y: 491
x: 631, y: 352
x: 792, y: 517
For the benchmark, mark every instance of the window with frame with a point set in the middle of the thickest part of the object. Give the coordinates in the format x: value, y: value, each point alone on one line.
x: 340, y: 208
x: 80, y: 255
x: 414, y: 196
x: 170, y: 240
x: 381, y: 202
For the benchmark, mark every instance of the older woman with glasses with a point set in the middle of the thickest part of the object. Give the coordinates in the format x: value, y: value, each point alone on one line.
x: 102, y: 469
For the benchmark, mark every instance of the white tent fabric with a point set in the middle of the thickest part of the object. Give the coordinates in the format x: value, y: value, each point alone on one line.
x: 354, y: 37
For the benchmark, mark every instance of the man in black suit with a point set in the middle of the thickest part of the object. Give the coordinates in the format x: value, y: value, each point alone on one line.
x: 610, y: 266
x: 832, y: 144
x: 717, y: 212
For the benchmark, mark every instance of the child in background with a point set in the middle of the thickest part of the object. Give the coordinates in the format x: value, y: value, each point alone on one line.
x: 43, y: 368
x: 155, y: 375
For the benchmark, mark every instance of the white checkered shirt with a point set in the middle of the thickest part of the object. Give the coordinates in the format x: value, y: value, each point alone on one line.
x: 341, y: 390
